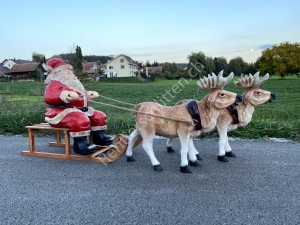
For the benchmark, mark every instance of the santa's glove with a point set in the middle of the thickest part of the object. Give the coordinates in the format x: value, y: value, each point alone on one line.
x: 67, y: 96
x: 92, y: 94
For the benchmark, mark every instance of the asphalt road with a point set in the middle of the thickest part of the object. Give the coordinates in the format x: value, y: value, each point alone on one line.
x: 260, y: 186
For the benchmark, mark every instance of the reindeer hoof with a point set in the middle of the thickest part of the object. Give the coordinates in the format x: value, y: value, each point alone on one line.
x: 198, y: 157
x: 196, y: 163
x: 185, y: 169
x: 130, y: 159
x: 158, y: 168
x: 170, y: 150
x: 230, y: 154
x: 222, y: 158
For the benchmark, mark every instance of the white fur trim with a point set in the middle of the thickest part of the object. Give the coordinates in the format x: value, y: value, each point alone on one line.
x: 90, y: 111
x: 95, y: 128
x: 47, y: 68
x: 63, y: 67
x: 55, y: 120
x: 80, y: 133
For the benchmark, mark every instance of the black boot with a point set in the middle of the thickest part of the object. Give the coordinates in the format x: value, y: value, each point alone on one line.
x: 100, y: 138
x: 82, y: 146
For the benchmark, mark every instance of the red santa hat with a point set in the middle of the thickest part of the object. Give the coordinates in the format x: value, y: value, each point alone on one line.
x: 56, y: 62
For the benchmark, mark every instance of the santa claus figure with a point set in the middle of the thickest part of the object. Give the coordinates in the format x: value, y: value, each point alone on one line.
x: 68, y: 107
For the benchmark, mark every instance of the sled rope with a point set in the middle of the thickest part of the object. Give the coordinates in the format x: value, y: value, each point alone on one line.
x: 116, y: 100
x: 189, y: 123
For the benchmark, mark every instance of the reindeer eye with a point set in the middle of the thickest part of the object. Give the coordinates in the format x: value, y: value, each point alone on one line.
x: 222, y: 94
x: 258, y: 92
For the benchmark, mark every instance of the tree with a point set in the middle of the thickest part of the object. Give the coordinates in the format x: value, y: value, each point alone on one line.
x: 56, y: 56
x: 252, y: 68
x: 282, y: 59
x: 147, y: 63
x: 37, y: 57
x: 155, y: 63
x: 140, y: 64
x: 237, y: 66
x: 210, y: 66
x: 78, y: 59
x: 167, y: 74
x: 200, y: 65
x: 220, y: 64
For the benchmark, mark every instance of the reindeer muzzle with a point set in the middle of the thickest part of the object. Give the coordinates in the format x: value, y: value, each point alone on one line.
x: 272, y: 97
x: 239, y: 98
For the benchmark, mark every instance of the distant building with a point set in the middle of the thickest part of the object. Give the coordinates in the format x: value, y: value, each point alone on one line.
x: 154, y: 69
x: 90, y: 67
x: 121, y: 66
x: 21, y: 69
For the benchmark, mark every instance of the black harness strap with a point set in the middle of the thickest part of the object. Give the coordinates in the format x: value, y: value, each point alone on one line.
x: 234, y: 113
x: 83, y: 109
x: 192, y: 108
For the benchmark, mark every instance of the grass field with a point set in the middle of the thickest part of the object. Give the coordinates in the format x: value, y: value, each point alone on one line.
x: 22, y: 104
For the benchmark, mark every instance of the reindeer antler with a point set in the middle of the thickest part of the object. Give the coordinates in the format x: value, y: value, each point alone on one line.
x: 251, y: 81
x: 214, y: 82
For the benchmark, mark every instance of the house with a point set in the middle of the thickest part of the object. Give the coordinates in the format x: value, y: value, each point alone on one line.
x: 90, y: 67
x: 153, y: 69
x: 22, y: 69
x: 121, y: 66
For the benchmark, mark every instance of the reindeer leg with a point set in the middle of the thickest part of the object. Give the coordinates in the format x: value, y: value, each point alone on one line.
x: 184, y: 141
x: 222, y: 142
x: 131, y: 140
x: 148, y: 147
x: 169, y: 146
x: 192, y: 156
x: 228, y: 149
x: 195, y: 150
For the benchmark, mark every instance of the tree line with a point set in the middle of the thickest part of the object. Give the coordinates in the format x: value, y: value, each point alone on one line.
x: 282, y: 60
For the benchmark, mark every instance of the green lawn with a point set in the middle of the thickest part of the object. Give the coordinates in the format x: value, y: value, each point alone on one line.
x: 279, y: 119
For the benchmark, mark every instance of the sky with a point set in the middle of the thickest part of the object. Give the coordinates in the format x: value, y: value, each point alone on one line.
x: 156, y: 30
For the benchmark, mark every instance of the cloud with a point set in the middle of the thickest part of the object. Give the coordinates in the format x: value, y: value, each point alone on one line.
x: 265, y: 46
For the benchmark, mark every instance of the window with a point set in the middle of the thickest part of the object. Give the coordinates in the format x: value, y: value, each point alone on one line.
x: 111, y: 67
x: 121, y: 60
x: 122, y: 66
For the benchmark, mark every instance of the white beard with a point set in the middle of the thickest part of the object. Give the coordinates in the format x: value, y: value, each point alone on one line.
x: 65, y: 75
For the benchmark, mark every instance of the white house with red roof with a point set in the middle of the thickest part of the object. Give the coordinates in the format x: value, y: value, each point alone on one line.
x: 121, y: 66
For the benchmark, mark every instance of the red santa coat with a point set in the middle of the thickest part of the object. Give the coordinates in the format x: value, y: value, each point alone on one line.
x: 72, y: 113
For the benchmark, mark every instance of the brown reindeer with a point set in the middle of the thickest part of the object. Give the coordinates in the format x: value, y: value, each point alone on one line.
x: 155, y: 119
x: 237, y: 115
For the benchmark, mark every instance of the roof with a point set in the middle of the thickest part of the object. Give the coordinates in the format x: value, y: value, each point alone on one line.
x: 130, y: 60
x: 152, y: 69
x: 21, y: 61
x: 1, y: 73
x: 28, y: 67
x: 4, y: 69
x: 88, y: 65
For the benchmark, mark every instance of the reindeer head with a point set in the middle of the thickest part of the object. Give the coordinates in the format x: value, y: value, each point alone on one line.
x: 253, y: 94
x: 217, y: 96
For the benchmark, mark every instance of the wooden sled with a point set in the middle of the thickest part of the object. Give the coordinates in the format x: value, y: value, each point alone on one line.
x: 105, y: 154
